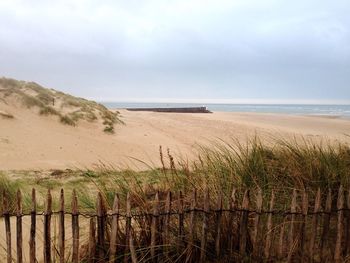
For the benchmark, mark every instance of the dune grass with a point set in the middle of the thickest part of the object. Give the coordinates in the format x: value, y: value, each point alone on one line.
x: 68, y: 108
x: 281, y: 166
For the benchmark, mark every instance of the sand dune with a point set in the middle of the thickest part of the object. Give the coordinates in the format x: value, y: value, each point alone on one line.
x: 30, y: 141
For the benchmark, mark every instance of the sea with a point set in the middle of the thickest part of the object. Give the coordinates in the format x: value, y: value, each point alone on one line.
x: 342, y: 111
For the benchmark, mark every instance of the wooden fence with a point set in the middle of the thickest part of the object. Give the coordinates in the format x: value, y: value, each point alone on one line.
x: 191, y: 228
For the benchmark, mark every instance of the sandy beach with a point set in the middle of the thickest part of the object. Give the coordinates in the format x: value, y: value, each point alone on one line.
x: 31, y: 141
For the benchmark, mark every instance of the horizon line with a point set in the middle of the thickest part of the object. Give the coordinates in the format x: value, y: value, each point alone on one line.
x: 225, y: 101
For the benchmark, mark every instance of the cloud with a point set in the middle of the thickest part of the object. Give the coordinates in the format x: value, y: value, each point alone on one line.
x: 181, y: 49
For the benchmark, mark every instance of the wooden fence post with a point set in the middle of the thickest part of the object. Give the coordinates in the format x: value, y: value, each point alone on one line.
x: 218, y: 225
x: 340, y: 226
x: 191, y: 227
x: 347, y: 242
x: 243, y: 230
x: 291, y: 240
x: 75, y: 227
x: 325, y: 230
x: 132, y: 250
x: 305, y: 209
x: 154, y: 227
x: 127, y: 228
x: 114, y: 229
x: 101, y: 227
x: 19, y: 227
x: 32, y: 245
x: 232, y: 217
x: 61, y: 230
x: 6, y: 214
x: 314, y: 224
x: 47, y: 228
x: 181, y: 220
x: 280, y: 251
x: 92, y: 240
x: 205, y: 226
x: 259, y: 201
x: 167, y: 223
x: 269, y: 228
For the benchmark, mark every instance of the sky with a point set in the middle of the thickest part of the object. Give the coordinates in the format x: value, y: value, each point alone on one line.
x: 273, y: 51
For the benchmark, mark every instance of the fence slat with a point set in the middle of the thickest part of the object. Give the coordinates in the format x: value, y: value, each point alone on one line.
x: 314, y: 224
x: 268, y: 242
x: 326, y: 221
x: 92, y: 240
x: 19, y: 211
x: 232, y: 217
x: 218, y: 224
x: 101, y: 227
x: 192, y: 223
x: 166, y: 241
x: 75, y: 227
x: 205, y: 226
x: 114, y: 229
x: 154, y: 227
x: 6, y: 214
x: 132, y: 250
x: 347, y: 243
x: 305, y: 210
x: 47, y: 228
x: 61, y: 231
x: 32, y: 245
x: 280, y: 251
x: 340, y: 226
x: 292, y: 241
x: 127, y: 228
x: 243, y: 231
x: 181, y: 220
x: 259, y: 201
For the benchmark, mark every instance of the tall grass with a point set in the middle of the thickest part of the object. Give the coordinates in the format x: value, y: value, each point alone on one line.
x: 282, y: 166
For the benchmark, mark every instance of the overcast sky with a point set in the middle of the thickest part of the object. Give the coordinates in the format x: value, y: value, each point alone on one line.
x: 204, y: 50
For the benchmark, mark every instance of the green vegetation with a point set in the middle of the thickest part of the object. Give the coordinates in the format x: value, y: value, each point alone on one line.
x: 69, y: 109
x: 282, y: 167
x: 67, y: 120
x: 48, y: 110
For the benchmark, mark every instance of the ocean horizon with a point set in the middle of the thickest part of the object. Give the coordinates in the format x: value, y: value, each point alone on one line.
x: 296, y: 109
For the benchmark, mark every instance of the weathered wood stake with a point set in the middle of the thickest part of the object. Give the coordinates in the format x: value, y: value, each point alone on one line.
x: 205, y: 226
x: 269, y: 228
x: 325, y: 230
x: 61, y: 230
x: 314, y: 224
x: 92, y: 240
x: 218, y: 225
x: 340, y: 226
x: 259, y: 201
x: 154, y: 227
x: 127, y: 228
x: 292, y: 241
x: 47, y: 228
x: 19, y: 211
x: 101, y: 228
x: 32, y: 245
x: 114, y: 230
x: 243, y: 230
x: 75, y: 227
x: 191, y: 227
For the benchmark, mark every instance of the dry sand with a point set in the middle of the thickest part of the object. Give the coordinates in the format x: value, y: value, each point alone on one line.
x: 31, y: 141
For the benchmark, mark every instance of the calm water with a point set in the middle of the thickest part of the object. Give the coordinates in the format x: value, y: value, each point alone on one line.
x: 331, y: 110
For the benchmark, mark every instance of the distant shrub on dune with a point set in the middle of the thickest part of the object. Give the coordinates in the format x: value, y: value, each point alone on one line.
x: 67, y: 120
x: 47, y: 110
